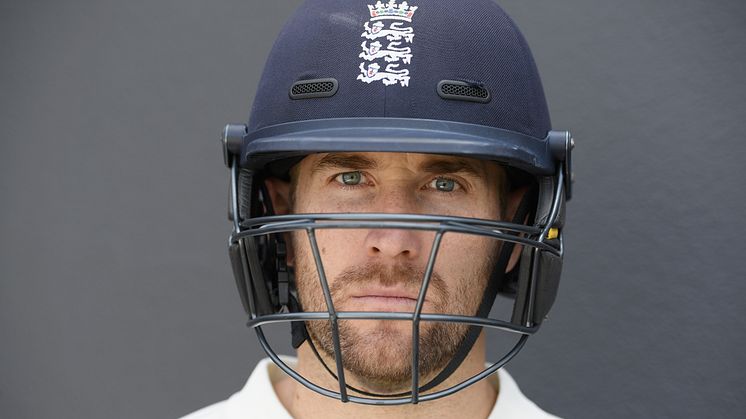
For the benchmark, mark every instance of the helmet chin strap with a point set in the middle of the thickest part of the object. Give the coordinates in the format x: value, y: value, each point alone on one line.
x: 300, y: 333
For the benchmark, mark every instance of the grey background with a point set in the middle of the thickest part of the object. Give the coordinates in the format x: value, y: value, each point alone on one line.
x: 116, y: 298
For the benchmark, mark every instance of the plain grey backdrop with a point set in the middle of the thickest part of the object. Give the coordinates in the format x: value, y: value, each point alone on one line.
x: 116, y: 296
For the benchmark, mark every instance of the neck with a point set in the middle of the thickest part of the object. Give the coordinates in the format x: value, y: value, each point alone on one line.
x: 475, y: 401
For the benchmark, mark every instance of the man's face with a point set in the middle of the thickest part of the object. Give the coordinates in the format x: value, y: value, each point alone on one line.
x: 382, y: 269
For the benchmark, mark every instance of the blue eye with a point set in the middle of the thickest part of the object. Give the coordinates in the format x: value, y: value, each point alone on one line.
x: 350, y: 178
x: 443, y: 184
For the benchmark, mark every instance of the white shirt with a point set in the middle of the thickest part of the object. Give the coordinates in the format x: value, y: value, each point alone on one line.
x: 257, y: 399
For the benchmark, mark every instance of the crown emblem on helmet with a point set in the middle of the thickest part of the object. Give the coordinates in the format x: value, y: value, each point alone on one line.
x: 391, y: 10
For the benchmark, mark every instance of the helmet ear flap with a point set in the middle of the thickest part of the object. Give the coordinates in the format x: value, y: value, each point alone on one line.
x: 259, y: 264
x: 234, y: 252
x: 549, y: 269
x: 548, y: 276
x: 538, y: 268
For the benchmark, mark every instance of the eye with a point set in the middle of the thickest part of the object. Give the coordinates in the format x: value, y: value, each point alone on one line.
x: 444, y: 184
x: 350, y: 178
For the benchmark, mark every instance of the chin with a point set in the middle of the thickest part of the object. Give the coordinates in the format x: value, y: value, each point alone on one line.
x: 379, y: 350
x: 378, y: 353
x: 377, y: 335
x: 379, y: 328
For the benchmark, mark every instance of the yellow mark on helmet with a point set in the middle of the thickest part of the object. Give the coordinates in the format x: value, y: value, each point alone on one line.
x: 553, y: 233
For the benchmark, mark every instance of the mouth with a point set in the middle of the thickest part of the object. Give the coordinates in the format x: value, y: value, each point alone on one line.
x: 383, y: 299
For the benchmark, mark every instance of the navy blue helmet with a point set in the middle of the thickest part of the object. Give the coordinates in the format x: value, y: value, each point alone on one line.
x: 448, y: 77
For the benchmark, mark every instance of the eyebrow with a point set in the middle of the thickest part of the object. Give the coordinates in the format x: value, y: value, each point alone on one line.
x: 433, y: 165
x: 456, y: 165
x: 344, y: 160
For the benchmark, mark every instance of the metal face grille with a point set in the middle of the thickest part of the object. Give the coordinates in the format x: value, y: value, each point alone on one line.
x: 459, y: 90
x: 318, y: 88
x: 256, y: 282
x: 249, y: 230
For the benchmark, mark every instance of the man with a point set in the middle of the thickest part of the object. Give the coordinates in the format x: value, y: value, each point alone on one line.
x: 382, y: 199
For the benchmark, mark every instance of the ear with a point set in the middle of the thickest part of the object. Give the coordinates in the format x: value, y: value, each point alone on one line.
x: 514, y: 199
x: 279, y: 195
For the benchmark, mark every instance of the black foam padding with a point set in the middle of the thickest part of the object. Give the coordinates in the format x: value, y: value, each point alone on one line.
x: 260, y: 292
x: 245, y: 180
x: 527, y: 208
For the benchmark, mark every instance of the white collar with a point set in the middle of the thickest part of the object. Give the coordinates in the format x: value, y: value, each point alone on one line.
x: 258, y: 399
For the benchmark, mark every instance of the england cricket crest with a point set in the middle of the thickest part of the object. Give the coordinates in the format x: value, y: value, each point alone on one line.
x: 386, y: 37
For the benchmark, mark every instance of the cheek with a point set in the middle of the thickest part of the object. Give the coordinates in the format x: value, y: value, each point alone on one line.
x: 333, y: 244
x: 466, y: 263
x: 465, y: 250
x: 481, y: 207
x: 320, y: 199
x: 338, y: 248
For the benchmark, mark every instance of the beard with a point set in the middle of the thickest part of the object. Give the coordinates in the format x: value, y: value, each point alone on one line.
x: 378, y: 353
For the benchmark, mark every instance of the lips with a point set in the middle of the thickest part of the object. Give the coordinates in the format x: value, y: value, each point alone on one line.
x: 384, y: 299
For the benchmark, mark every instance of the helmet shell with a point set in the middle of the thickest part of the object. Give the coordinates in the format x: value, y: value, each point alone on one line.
x: 469, y: 41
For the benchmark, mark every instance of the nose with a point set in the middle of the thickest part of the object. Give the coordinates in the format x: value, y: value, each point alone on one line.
x: 395, y: 244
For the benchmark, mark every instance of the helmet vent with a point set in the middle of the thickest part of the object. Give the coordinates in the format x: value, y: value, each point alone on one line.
x: 459, y: 90
x: 307, y: 89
